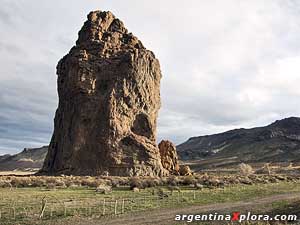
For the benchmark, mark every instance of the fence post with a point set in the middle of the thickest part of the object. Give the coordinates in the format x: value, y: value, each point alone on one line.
x: 65, y: 210
x: 14, y: 212
x: 116, y: 203
x: 87, y: 210
x: 103, y: 212
x: 25, y: 210
x: 44, y: 202
x: 90, y: 210
x: 123, y: 206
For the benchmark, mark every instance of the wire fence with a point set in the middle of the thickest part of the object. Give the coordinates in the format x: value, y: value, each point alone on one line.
x: 49, y: 208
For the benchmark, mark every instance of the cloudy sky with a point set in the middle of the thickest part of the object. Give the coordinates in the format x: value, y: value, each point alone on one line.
x: 226, y: 64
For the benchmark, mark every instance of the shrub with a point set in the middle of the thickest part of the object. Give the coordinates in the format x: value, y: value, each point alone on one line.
x: 20, y: 181
x: 50, y: 179
x: 189, y: 180
x: 135, y: 189
x: 198, y: 186
x: 51, y: 186
x: 150, y: 182
x: 38, y: 182
x: 90, y: 182
x: 245, y: 169
x: 172, y: 181
x: 136, y: 182
x: 161, y: 193
x: 115, y: 183
x: 5, y: 184
x: 68, y: 183
x: 173, y: 188
x: 104, y: 189
x: 60, y: 183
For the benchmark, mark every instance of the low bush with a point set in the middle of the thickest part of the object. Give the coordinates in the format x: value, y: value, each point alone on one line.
x: 104, y: 189
x: 173, y: 181
x: 245, y: 169
x: 189, y: 180
x: 136, y: 182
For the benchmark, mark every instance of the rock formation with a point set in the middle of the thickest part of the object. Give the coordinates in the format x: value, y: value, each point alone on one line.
x: 109, y: 97
x: 168, y: 154
x: 185, y: 170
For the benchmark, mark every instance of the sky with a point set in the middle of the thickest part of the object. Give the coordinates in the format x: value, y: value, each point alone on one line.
x: 225, y: 64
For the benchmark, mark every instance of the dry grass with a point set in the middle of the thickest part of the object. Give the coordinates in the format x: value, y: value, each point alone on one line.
x: 206, y: 180
x: 86, y: 202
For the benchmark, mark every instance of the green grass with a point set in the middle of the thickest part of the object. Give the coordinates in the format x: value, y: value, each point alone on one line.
x: 86, y: 202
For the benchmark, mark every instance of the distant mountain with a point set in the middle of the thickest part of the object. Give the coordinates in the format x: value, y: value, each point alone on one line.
x: 277, y: 142
x: 28, y: 159
x: 2, y: 157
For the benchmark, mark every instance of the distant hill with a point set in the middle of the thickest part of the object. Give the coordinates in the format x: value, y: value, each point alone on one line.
x: 277, y: 142
x: 2, y: 157
x: 27, y: 160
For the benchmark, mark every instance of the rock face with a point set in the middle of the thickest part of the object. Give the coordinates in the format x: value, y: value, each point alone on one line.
x: 168, y: 156
x: 109, y: 97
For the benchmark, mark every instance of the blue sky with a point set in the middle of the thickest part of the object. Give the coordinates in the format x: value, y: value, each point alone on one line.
x: 225, y: 64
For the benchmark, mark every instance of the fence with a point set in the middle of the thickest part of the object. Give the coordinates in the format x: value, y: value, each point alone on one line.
x: 48, y: 208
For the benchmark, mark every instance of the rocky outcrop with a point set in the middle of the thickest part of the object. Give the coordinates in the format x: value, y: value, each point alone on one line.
x: 109, y: 97
x: 168, y: 154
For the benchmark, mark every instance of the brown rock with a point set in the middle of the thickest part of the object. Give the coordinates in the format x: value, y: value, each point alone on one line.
x: 168, y: 154
x: 109, y: 97
x: 185, y: 170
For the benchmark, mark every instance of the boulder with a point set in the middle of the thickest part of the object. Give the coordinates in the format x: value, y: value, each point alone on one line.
x: 169, y: 158
x: 185, y: 170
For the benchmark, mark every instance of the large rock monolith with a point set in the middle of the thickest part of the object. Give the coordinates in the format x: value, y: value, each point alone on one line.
x: 109, y: 97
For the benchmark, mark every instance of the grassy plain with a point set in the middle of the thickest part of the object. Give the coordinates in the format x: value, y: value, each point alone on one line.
x: 41, y: 205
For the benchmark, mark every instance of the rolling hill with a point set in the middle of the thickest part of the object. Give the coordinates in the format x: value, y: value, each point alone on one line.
x: 30, y: 159
x: 277, y: 142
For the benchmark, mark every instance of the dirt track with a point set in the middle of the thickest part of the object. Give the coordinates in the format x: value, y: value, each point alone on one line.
x: 166, y: 216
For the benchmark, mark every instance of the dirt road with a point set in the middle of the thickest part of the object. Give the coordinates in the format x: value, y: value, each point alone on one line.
x: 166, y: 216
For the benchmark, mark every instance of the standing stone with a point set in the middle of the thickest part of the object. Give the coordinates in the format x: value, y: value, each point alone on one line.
x: 109, y: 97
x: 169, y: 158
